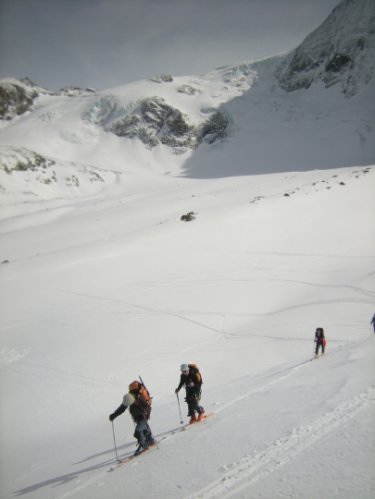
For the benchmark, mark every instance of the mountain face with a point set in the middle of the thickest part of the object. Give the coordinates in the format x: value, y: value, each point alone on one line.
x: 239, y: 119
x: 153, y: 121
x: 340, y: 51
x: 16, y: 98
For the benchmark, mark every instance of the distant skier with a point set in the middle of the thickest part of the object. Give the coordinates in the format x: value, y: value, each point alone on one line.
x: 373, y: 322
x: 192, y: 379
x: 139, y: 402
x: 320, y: 341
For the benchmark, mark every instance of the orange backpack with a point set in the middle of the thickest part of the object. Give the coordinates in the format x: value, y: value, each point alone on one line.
x: 142, y: 390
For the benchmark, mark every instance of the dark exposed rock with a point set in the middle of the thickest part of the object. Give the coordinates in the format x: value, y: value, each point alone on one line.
x: 338, y: 63
x: 177, y: 125
x: 25, y: 171
x: 188, y: 217
x: 31, y: 161
x: 15, y: 99
x: 156, y: 112
x: 153, y: 121
x: 127, y: 127
x: 340, y: 51
x: 28, y: 82
x: 214, y: 128
x: 147, y: 137
x: 73, y: 91
x: 18, y: 96
x: 188, y: 90
x: 162, y: 78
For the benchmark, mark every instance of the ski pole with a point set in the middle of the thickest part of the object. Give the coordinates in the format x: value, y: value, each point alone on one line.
x: 179, y: 408
x: 114, y: 440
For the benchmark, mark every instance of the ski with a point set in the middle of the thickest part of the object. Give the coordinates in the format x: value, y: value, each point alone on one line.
x: 319, y: 356
x: 170, y: 434
x: 205, y: 416
x: 127, y: 459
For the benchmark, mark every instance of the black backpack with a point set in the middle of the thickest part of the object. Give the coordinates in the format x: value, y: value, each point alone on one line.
x: 319, y: 333
x: 193, y: 368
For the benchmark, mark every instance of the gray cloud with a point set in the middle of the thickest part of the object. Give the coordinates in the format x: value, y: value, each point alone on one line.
x: 104, y: 43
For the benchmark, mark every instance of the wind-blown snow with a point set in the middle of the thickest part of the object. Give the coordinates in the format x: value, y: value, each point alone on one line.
x: 102, y: 282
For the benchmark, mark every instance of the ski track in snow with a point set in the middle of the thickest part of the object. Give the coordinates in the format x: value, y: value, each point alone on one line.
x: 257, y: 466
x: 96, y: 479
x: 262, y: 463
x: 186, y: 315
x: 101, y: 478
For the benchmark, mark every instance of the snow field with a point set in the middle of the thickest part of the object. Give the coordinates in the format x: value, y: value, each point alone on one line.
x: 108, y: 290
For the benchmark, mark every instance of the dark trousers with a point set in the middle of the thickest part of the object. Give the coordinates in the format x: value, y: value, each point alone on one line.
x: 319, y: 343
x: 143, y: 433
x: 192, y: 400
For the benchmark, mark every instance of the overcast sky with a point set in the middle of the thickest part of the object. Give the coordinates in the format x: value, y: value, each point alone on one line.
x: 105, y: 43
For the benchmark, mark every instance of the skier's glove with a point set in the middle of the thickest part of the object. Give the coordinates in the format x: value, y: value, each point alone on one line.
x: 111, y: 417
x: 176, y: 391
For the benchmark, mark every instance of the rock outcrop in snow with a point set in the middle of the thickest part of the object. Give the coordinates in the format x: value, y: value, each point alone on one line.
x: 27, y: 174
x: 341, y: 51
x: 16, y: 98
x: 153, y: 121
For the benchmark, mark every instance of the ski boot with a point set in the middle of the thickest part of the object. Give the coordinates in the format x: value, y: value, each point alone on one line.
x: 193, y: 419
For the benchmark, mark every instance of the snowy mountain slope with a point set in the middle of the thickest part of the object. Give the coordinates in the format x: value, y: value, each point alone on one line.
x: 341, y: 51
x: 275, y: 131
x: 92, y: 129
x: 124, y: 111
x: 104, y: 291
x: 27, y: 174
x: 312, y: 108
x: 266, y: 439
x: 17, y: 97
x: 306, y: 109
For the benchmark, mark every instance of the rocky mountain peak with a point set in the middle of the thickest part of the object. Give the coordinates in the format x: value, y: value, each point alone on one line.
x: 341, y: 50
x: 15, y: 98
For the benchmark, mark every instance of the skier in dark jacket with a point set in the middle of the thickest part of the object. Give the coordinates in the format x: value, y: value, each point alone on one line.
x: 320, y: 341
x: 191, y: 378
x: 140, y: 409
x: 373, y: 322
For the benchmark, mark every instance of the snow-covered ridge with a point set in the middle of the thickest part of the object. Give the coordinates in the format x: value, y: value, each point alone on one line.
x: 180, y: 113
x: 19, y: 96
x: 15, y: 98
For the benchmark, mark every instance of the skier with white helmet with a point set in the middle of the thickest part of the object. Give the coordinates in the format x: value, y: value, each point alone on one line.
x: 192, y: 379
